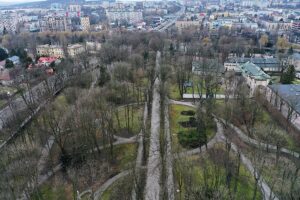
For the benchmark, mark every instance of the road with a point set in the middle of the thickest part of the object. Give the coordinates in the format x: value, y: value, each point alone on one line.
x: 167, y: 24
x: 152, y: 189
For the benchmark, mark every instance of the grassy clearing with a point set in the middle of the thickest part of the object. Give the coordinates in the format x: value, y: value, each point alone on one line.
x: 262, y: 120
x: 275, y: 79
x: 296, y: 81
x: 135, y: 120
x: 125, y: 156
x: 60, y: 188
x: 175, y: 94
x: 119, y: 190
x: 184, y: 138
x: 61, y: 192
x: 281, y: 176
x: 204, y: 177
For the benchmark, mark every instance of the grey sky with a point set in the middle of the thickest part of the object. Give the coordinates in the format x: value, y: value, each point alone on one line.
x: 17, y: 1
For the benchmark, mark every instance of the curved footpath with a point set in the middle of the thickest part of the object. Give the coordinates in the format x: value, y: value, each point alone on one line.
x: 265, y: 189
x: 108, y: 183
x: 266, y: 147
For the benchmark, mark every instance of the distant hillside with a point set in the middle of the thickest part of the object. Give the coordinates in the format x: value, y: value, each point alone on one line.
x: 39, y: 4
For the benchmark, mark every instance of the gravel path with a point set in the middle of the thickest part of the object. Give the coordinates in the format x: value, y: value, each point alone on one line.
x: 152, y: 189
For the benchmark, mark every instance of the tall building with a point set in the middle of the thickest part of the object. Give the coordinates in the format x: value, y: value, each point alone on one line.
x: 85, y: 23
x: 124, y: 15
x: 56, y: 24
x: 9, y: 23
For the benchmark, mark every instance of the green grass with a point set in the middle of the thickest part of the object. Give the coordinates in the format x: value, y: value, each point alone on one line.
x: 296, y: 81
x: 275, y: 79
x: 119, y: 190
x: 262, y: 120
x: 184, y: 138
x: 125, y: 155
x: 175, y: 94
x: 212, y: 165
x: 135, y: 121
x: 5, y: 89
x: 51, y: 193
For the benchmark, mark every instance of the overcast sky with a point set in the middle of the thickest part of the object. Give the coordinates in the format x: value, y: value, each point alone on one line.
x: 17, y: 1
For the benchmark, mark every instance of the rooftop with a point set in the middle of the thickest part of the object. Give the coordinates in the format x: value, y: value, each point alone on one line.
x: 289, y: 93
x: 261, y: 62
x: 254, y: 71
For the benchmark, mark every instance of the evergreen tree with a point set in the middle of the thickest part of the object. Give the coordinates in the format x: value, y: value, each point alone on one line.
x: 3, y: 54
x: 9, y: 64
x: 289, y: 75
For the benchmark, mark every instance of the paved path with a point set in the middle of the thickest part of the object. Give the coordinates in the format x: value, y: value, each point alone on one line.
x: 197, y: 96
x: 265, y: 189
x: 261, y: 145
x: 169, y: 157
x: 139, y: 158
x: 108, y: 183
x: 152, y: 190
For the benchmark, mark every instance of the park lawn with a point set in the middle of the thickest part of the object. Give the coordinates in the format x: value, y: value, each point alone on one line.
x: 185, y: 133
x: 174, y: 92
x: 275, y: 79
x: 262, y: 120
x: 296, y: 81
x: 121, y: 189
x: 280, y: 175
x: 6, y: 89
x: 49, y: 192
x: 266, y: 118
x: 135, y: 121
x: 196, y: 167
x: 125, y: 156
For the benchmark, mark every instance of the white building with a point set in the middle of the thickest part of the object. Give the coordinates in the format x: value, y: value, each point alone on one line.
x: 254, y: 76
x: 124, y: 15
